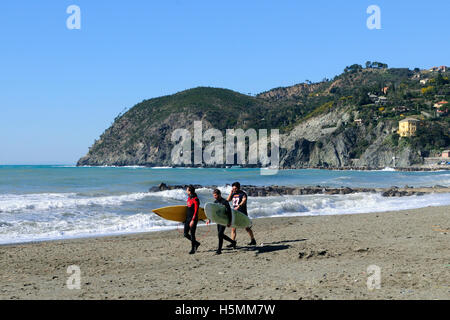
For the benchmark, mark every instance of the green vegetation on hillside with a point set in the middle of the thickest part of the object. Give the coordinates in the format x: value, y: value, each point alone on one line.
x: 370, y: 94
x: 376, y: 94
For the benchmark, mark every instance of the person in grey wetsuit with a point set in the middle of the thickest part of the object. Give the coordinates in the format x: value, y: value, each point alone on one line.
x: 220, y: 228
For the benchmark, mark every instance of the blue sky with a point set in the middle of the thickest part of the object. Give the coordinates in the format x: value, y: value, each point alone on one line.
x: 61, y: 88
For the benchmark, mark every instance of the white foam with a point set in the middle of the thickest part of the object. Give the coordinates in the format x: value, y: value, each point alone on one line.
x: 109, y: 224
x: 50, y: 201
x: 339, y: 204
x: 176, y: 194
x: 49, y: 216
x: 180, y: 194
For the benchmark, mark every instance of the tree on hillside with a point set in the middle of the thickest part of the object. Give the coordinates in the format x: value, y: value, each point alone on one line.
x: 379, y: 65
x: 376, y: 65
x: 361, y: 96
x: 353, y: 68
x: 440, y: 80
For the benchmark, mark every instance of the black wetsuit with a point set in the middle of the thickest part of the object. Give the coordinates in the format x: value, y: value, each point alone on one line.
x: 221, y: 228
x: 193, y: 205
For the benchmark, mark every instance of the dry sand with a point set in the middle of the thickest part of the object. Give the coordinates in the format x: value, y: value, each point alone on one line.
x: 411, y: 247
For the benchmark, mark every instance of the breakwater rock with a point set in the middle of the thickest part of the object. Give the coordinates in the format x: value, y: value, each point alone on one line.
x: 267, y: 191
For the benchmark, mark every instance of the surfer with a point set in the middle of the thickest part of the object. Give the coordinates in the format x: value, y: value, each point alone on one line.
x: 239, y: 199
x: 220, y: 228
x: 190, y: 224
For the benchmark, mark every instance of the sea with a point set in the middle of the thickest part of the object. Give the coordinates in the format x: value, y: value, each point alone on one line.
x: 50, y: 202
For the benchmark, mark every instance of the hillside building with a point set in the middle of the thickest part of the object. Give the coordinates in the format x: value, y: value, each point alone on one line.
x: 407, y: 127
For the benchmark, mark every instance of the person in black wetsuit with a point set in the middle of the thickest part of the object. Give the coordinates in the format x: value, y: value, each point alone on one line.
x: 190, y: 224
x: 239, y: 199
x: 220, y: 228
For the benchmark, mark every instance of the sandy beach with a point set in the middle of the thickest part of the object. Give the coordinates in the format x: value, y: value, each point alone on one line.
x: 314, y: 257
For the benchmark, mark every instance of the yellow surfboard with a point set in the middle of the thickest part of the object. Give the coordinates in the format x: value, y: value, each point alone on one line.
x: 177, y: 213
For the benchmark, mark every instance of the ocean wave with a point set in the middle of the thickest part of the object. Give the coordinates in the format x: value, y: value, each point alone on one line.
x: 111, y: 224
x: 11, y: 203
x: 97, y: 221
x: 318, y: 204
x: 339, y: 204
x: 180, y: 194
x: 176, y: 194
x: 39, y: 202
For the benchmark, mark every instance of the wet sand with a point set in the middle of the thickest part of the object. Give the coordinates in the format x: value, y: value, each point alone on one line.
x: 316, y: 257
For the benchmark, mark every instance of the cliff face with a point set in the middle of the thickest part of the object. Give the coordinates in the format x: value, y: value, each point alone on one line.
x: 328, y: 141
x: 119, y: 146
x: 291, y: 92
x: 142, y: 136
x: 316, y: 121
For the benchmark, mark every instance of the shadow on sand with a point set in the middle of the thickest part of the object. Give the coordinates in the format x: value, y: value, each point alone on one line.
x: 271, y: 246
x: 265, y: 247
x: 285, y: 241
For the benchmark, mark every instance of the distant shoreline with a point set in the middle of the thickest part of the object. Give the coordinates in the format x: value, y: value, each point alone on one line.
x: 393, y: 169
x: 441, y: 168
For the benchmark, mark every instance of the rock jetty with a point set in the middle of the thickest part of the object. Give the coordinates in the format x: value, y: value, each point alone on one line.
x: 265, y: 191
